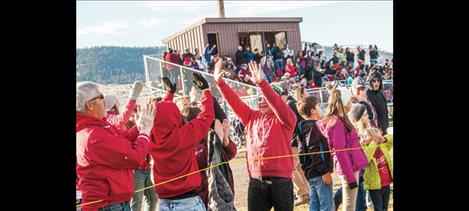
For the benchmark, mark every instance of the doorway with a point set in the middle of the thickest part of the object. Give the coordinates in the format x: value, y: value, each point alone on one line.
x: 213, y: 39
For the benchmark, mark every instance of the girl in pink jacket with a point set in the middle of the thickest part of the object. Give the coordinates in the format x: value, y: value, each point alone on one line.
x: 341, y: 134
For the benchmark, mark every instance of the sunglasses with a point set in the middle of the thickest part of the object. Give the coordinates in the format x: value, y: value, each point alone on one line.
x: 375, y: 80
x: 98, y: 97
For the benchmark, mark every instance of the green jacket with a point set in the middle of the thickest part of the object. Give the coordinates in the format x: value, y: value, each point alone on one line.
x: 371, y: 178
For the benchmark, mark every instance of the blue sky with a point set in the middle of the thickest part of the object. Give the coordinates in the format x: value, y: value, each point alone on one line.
x: 146, y: 23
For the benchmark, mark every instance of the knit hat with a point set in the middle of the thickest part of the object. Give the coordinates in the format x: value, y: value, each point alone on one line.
x: 277, y: 88
x: 345, y: 94
x: 110, y: 101
x: 357, y: 111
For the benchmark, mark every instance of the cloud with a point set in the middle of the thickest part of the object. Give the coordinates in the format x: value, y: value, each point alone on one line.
x: 150, y: 23
x: 180, y: 6
x: 105, y: 28
x: 258, y: 8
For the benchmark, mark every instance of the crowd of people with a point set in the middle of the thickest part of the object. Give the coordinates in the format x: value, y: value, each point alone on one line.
x: 118, y: 152
x: 308, y: 66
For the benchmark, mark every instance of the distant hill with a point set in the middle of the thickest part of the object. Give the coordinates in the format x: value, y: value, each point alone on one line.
x: 113, y: 65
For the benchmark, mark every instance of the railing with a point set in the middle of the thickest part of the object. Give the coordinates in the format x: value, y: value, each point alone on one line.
x: 156, y: 69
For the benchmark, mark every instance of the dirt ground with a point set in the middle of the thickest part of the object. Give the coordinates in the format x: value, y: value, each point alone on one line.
x: 240, y: 174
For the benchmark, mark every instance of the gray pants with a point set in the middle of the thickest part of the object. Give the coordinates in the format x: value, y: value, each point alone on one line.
x: 142, y: 179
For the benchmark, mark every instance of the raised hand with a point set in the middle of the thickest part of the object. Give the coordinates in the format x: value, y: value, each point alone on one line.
x: 168, y: 86
x: 146, y: 119
x: 226, y: 131
x: 257, y: 73
x: 136, y: 89
x: 199, y: 81
x: 217, y: 72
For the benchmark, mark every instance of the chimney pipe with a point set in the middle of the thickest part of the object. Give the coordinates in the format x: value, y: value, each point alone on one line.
x: 221, y: 9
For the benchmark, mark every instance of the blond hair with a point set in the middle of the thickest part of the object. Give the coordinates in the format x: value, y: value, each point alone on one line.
x: 299, y: 93
x: 364, y: 128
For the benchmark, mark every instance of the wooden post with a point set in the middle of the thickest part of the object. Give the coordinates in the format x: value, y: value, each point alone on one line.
x: 221, y: 9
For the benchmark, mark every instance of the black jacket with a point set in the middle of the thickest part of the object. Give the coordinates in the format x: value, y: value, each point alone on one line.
x: 350, y: 56
x: 373, y: 54
x: 317, y: 78
x: 292, y: 103
x: 310, y: 139
x: 240, y: 58
x: 257, y: 58
x: 361, y: 55
x: 378, y: 101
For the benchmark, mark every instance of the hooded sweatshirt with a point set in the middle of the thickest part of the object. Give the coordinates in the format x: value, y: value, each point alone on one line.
x: 310, y: 140
x: 120, y: 120
x: 173, y: 146
x: 378, y: 101
x: 346, y: 163
x: 106, y: 157
x: 268, y: 134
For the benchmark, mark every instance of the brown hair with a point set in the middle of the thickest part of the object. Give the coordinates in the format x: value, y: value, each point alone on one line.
x: 335, y: 108
x: 189, y: 112
x: 305, y: 105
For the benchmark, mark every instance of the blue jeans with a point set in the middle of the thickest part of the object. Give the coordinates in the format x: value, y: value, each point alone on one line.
x: 320, y: 195
x: 142, y: 179
x: 361, y: 202
x: 187, y: 204
x: 373, y: 61
x: 116, y: 207
x: 380, y: 198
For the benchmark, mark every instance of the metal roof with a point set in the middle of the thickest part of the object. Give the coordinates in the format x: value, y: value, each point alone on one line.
x: 237, y: 20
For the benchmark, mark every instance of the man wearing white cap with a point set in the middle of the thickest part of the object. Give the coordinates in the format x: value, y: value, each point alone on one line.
x: 112, y: 107
x: 106, y: 156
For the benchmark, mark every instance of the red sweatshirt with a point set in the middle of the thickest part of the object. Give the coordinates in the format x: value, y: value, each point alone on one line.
x: 120, y: 120
x: 267, y: 135
x: 173, y: 147
x: 291, y: 70
x: 106, y: 157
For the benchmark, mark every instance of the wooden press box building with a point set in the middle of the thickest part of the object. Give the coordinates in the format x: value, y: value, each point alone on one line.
x: 228, y: 33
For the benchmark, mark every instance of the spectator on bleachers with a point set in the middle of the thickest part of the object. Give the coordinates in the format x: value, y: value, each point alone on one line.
x: 288, y: 52
x: 267, y: 67
x: 240, y: 57
x: 257, y: 55
x: 373, y: 55
x: 278, y: 57
x: 208, y: 54
x: 350, y: 57
x: 290, y: 68
x: 249, y: 54
x: 361, y: 54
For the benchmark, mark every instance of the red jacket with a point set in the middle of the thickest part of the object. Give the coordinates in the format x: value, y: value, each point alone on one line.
x: 267, y: 135
x: 173, y: 147
x: 201, y: 153
x: 291, y: 70
x: 106, y: 157
x: 120, y: 120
